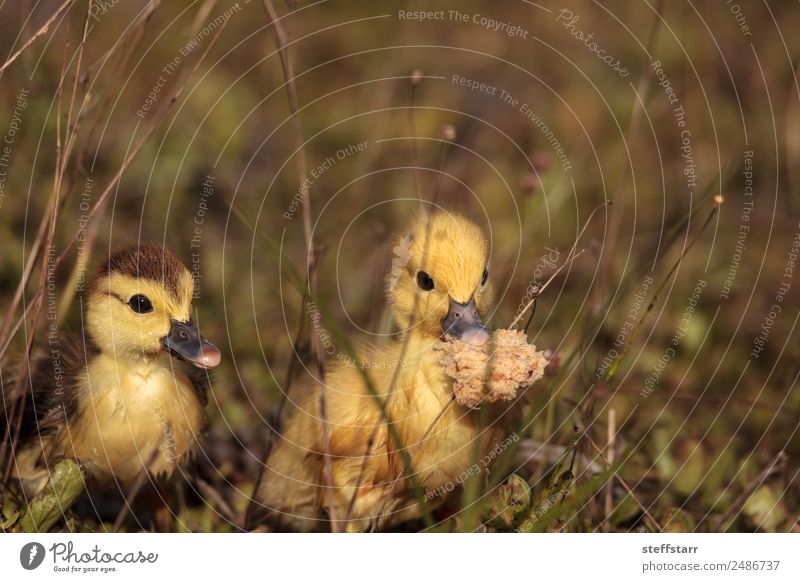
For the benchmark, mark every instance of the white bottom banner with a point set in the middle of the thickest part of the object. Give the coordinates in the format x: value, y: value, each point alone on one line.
x: 389, y: 557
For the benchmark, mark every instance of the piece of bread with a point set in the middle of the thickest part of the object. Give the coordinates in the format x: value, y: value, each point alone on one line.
x: 494, y: 371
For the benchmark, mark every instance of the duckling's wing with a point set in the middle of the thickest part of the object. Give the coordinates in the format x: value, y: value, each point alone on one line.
x: 200, y: 379
x: 51, y: 393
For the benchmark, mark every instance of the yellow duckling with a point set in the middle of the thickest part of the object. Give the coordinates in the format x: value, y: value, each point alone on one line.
x: 440, y: 288
x: 113, y: 398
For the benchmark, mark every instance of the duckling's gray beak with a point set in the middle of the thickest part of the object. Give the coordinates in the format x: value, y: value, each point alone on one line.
x: 464, y: 323
x: 185, y: 342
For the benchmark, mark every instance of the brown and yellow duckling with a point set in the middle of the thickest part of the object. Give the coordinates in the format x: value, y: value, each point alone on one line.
x: 130, y: 391
x: 441, y: 290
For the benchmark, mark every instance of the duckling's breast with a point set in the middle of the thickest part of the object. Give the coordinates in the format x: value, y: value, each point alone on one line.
x: 132, y: 415
x: 456, y: 446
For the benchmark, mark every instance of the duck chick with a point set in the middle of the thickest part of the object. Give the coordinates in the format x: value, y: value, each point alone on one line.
x: 442, y: 289
x: 114, y: 398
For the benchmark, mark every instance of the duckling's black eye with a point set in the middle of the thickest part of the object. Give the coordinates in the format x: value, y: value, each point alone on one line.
x: 140, y: 304
x: 424, y: 281
x: 485, y: 276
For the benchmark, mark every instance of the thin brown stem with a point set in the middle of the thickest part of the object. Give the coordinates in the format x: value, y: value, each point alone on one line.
x: 611, y: 438
x: 540, y: 290
x: 133, y: 492
x: 392, y: 385
x: 135, y: 151
x: 130, y: 48
x: 7, y: 332
x: 291, y: 92
x: 42, y: 30
x: 52, y: 266
x: 311, y: 251
x: 571, y: 256
x: 210, y: 493
x: 615, y: 222
x: 622, y: 482
x: 407, y: 465
x: 412, y: 121
x: 19, y: 404
x: 776, y: 466
x: 636, y: 330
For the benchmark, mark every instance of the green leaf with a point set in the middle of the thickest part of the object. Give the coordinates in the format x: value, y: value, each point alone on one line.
x: 675, y: 520
x: 548, y: 502
x: 625, y: 509
x: 10, y: 515
x: 508, y: 503
x: 64, y: 487
x: 765, y: 510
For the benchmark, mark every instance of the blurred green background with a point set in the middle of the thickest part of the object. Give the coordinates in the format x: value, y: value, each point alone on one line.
x: 694, y: 449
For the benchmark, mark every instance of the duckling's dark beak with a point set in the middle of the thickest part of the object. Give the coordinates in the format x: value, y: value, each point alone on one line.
x: 464, y: 323
x: 186, y: 343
